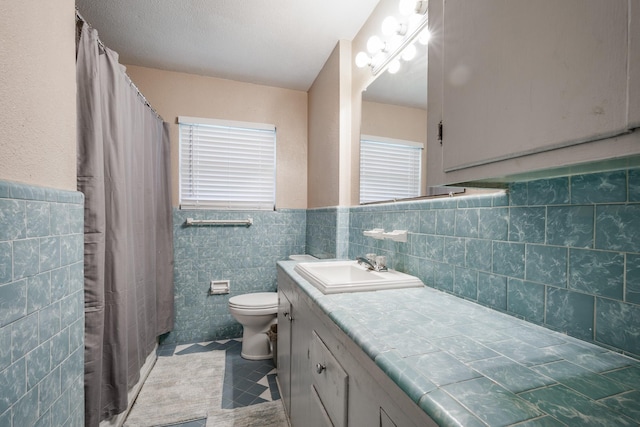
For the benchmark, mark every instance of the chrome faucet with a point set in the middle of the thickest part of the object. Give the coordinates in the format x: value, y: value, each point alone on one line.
x: 374, y: 266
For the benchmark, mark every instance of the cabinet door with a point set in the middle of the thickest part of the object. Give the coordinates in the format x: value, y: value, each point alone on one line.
x: 522, y: 77
x: 300, y: 373
x: 284, y: 349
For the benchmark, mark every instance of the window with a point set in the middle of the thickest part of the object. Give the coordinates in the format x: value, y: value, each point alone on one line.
x: 226, y: 165
x: 389, y: 169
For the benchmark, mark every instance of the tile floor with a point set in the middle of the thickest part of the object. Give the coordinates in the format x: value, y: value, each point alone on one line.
x: 246, y: 382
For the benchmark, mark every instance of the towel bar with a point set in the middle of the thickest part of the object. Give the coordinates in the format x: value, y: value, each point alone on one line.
x: 247, y: 222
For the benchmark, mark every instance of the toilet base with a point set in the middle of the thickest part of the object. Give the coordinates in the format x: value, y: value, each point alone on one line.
x: 252, y: 357
x: 255, y: 343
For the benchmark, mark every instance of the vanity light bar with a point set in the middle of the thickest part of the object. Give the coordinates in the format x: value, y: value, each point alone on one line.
x: 377, y: 67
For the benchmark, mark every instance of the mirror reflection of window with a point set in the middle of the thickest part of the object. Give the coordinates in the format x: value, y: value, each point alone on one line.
x: 390, y: 169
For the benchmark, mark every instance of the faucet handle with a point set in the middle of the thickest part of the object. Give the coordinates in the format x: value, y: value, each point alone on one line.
x: 381, y: 262
x: 371, y: 258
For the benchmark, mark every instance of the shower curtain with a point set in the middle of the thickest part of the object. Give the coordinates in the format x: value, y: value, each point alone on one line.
x: 123, y: 171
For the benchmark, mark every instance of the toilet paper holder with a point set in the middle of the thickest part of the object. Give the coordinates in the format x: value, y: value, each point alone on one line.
x: 219, y: 287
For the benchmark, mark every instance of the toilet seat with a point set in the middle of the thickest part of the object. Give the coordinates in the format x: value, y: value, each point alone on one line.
x: 259, y: 301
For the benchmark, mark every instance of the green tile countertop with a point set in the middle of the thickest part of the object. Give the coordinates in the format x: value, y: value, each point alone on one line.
x: 465, y: 364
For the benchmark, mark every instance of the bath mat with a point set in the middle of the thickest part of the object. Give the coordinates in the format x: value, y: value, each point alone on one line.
x: 269, y: 414
x: 179, y: 389
x: 188, y: 387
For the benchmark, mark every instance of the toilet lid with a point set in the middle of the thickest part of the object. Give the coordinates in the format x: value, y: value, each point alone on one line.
x: 255, y: 300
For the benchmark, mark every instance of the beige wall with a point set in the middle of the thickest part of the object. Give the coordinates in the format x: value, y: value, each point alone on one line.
x: 346, y: 128
x: 394, y: 121
x: 324, y: 135
x: 178, y: 94
x: 38, y: 93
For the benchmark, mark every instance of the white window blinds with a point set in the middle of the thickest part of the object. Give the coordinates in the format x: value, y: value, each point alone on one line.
x: 226, y: 164
x: 389, y: 169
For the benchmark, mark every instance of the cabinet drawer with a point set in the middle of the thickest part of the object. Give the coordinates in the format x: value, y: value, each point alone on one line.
x: 330, y: 381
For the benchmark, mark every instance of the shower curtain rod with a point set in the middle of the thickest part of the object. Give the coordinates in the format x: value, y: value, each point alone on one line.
x: 131, y: 83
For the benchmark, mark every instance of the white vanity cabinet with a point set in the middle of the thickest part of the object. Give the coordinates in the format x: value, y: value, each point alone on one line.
x: 326, y: 379
x: 518, y: 86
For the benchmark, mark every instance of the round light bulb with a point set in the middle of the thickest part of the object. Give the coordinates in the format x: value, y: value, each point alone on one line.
x: 362, y: 60
x: 391, y: 26
x: 409, y: 52
x: 394, y: 66
x: 407, y: 7
x: 377, y: 60
x: 424, y: 37
x: 393, y: 44
x: 375, y: 44
x: 421, y: 7
x: 414, y: 22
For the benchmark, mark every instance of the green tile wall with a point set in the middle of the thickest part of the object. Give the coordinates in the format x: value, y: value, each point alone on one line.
x: 563, y: 252
x: 244, y: 255
x: 327, y: 234
x: 41, y: 306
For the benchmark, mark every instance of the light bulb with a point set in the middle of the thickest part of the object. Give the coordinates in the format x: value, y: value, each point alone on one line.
x: 375, y: 44
x: 424, y: 37
x: 414, y: 22
x: 393, y: 44
x: 394, y: 66
x: 407, y: 7
x: 391, y: 26
x: 377, y: 60
x: 421, y: 7
x: 362, y: 60
x: 409, y: 52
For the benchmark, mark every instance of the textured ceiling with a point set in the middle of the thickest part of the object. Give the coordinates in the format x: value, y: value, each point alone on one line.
x: 282, y: 43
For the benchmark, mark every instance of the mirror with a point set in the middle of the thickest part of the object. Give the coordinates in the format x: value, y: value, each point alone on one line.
x: 406, y: 88
x: 394, y: 106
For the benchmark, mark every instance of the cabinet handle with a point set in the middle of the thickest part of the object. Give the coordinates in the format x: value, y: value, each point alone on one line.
x: 320, y: 367
x: 287, y: 316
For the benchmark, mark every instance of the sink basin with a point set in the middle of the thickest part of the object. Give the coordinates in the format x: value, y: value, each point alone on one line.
x: 334, y: 277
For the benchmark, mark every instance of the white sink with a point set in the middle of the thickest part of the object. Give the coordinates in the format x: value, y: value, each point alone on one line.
x: 334, y: 277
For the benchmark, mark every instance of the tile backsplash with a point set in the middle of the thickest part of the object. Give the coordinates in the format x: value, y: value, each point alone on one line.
x: 562, y: 252
x: 41, y: 306
x: 327, y: 233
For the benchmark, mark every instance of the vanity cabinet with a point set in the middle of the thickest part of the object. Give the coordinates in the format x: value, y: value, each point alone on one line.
x: 519, y: 86
x: 331, y: 381
x: 294, y: 334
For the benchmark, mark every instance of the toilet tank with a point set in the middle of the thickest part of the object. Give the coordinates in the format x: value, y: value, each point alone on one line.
x: 302, y: 258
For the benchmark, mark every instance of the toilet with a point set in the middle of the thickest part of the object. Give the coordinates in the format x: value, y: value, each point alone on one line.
x: 256, y: 313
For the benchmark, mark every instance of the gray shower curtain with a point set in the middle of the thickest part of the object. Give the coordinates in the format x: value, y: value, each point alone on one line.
x: 123, y: 171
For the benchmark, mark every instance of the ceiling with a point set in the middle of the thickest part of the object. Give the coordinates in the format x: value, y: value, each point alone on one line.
x: 282, y: 43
